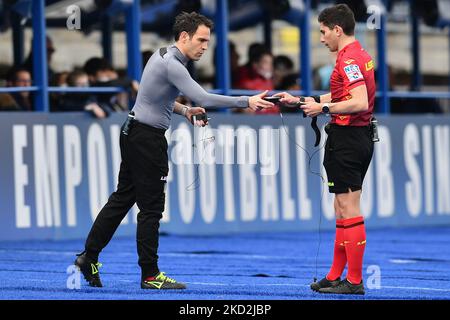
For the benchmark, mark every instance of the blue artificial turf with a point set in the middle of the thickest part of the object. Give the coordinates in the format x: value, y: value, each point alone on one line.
x: 413, y: 263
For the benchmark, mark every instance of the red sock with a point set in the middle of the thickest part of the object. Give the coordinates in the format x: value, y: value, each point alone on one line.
x: 340, y: 258
x: 355, y: 243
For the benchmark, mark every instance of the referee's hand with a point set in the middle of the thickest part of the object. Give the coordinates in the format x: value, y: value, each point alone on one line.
x: 287, y: 98
x: 257, y: 102
x: 196, y: 111
x: 312, y: 109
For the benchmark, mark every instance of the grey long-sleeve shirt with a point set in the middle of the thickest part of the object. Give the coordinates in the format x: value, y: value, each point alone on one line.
x: 164, y: 77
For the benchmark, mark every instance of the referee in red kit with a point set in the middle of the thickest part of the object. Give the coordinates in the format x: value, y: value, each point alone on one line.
x: 349, y: 146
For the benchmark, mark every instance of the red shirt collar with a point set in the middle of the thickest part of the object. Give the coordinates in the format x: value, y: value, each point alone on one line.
x: 355, y: 45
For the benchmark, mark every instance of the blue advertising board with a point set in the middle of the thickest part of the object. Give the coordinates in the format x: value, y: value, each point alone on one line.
x: 243, y: 173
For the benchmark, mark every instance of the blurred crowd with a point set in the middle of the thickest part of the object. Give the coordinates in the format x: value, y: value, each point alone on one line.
x: 96, y: 72
x: 261, y: 71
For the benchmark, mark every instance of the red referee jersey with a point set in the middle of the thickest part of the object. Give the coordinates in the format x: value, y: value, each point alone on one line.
x: 354, y: 67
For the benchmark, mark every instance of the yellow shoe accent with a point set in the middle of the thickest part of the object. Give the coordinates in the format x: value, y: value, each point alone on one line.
x: 95, y: 267
x: 162, y: 277
x: 156, y: 284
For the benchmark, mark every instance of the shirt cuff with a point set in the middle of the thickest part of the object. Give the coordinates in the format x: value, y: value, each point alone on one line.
x: 242, y: 102
x: 355, y: 84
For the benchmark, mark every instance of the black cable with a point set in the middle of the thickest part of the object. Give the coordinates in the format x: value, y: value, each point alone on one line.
x: 310, y: 157
x: 196, y: 181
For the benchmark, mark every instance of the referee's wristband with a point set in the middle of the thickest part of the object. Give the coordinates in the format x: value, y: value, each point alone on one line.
x: 316, y: 98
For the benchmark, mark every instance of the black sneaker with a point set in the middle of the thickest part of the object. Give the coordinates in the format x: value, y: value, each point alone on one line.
x: 345, y: 287
x: 161, y: 281
x: 324, y: 283
x: 89, y: 269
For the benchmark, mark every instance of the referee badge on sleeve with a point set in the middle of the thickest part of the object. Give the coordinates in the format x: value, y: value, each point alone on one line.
x: 353, y: 72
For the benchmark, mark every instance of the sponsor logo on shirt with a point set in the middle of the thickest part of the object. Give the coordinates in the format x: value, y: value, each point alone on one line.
x: 342, y: 120
x: 353, y: 73
x: 370, y: 65
x: 349, y: 61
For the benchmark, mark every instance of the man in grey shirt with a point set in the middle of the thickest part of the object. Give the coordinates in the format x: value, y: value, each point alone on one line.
x: 144, y: 167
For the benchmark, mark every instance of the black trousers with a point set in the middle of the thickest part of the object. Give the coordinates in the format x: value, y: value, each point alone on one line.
x: 348, y: 152
x: 142, y: 180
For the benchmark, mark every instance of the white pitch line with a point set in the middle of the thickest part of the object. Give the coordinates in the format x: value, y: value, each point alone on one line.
x: 305, y: 285
x: 416, y: 288
x: 401, y: 261
x: 167, y: 254
x: 237, y: 255
x: 37, y: 252
x: 278, y: 284
x: 40, y: 280
x: 246, y: 284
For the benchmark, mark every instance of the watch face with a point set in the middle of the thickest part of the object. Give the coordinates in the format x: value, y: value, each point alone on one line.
x: 325, y: 109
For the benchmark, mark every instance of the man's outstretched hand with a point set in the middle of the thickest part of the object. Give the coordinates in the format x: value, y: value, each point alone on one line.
x: 257, y: 102
x: 290, y: 99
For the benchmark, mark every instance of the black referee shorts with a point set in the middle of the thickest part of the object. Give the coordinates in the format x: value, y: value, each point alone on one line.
x: 348, y: 152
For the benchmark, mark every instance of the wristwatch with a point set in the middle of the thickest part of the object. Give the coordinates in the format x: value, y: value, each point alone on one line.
x: 326, y: 108
x: 184, y: 110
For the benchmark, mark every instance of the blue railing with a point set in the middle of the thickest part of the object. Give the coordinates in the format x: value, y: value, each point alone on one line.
x: 41, y: 88
x: 18, y: 89
x: 131, y: 9
x: 87, y: 90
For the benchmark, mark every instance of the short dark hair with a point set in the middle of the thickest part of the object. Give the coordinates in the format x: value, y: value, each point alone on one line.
x: 14, y: 71
x: 189, y: 22
x: 95, y: 64
x: 339, y: 15
x: 73, y: 76
x: 258, y: 55
x: 283, y: 61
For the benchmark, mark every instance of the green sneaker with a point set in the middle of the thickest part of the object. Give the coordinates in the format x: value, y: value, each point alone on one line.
x: 161, y: 281
x: 89, y: 269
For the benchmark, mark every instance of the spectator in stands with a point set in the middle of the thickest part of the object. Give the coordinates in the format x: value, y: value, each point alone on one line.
x: 76, y: 101
x: 253, y: 49
x: 408, y: 105
x: 258, y: 76
x: 102, y: 74
x: 59, y: 80
x: 7, y: 103
x: 282, y: 66
x: 98, y: 70
x: 28, y: 64
x: 20, y: 77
